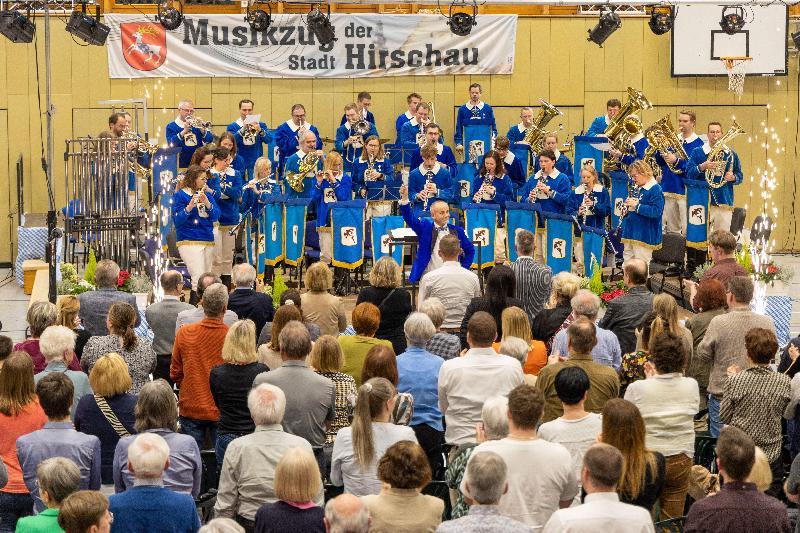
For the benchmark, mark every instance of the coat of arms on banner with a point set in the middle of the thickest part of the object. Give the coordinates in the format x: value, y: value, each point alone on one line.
x: 274, y: 231
x: 385, y: 244
x: 464, y: 188
x: 482, y: 235
x: 697, y: 215
x: 330, y: 196
x: 349, y: 237
x: 559, y: 249
x: 295, y: 231
x: 618, y: 206
x: 262, y: 244
x: 144, y: 46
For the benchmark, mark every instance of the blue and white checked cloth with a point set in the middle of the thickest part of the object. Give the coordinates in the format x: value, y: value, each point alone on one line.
x: 31, y: 244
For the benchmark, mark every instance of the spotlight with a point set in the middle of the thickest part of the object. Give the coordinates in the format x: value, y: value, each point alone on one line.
x: 88, y: 28
x: 796, y: 39
x: 17, y: 27
x: 461, y: 23
x: 661, y: 20
x: 732, y: 19
x: 609, y: 23
x: 319, y: 24
x: 169, y: 16
x: 258, y: 19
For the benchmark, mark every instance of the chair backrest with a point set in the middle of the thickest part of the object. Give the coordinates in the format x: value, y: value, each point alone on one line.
x: 172, y: 245
x: 673, y: 249
x: 312, y: 237
x: 737, y: 220
x: 761, y: 229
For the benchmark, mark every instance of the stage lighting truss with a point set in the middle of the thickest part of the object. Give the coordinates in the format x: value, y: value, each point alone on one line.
x: 461, y: 22
x: 170, y: 14
x: 88, y: 28
x: 609, y: 23
x: 319, y: 24
x: 257, y: 18
x: 732, y: 20
x: 661, y: 19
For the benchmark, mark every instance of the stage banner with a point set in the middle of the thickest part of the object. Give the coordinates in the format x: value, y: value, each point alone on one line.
x: 250, y: 242
x: 464, y: 177
x: 594, y: 244
x: 519, y: 216
x: 558, y: 229
x: 696, y: 214
x: 523, y: 153
x: 480, y: 225
x: 477, y: 143
x: 366, y: 45
x: 619, y: 192
x: 270, y: 240
x: 165, y: 179
x: 381, y: 226
x: 586, y: 153
x: 347, y: 221
x: 294, y: 235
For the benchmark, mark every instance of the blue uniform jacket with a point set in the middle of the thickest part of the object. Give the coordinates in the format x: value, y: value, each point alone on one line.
x: 172, y: 132
x: 504, y: 192
x: 442, y: 179
x: 398, y: 124
x: 722, y: 196
x: 643, y: 226
x: 561, y: 190
x: 191, y: 228
x: 516, y: 171
x: 465, y: 117
x: 672, y: 182
x: 254, y: 200
x: 286, y: 139
x: 446, y: 158
x: 601, y: 209
x: 639, y: 146
x: 350, y: 153
x: 342, y: 192
x: 384, y: 166
x: 409, y: 132
x: 238, y: 165
x: 227, y: 193
x: 250, y: 152
x: 293, y: 165
x: 598, y: 126
x: 516, y: 135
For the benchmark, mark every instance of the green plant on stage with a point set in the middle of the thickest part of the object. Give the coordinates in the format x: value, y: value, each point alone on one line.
x: 91, y: 266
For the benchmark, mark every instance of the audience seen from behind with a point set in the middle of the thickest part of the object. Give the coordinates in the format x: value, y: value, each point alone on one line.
x: 6, y: 347
x: 94, y: 305
x: 68, y: 308
x: 624, y: 314
x: 162, y: 317
x: 269, y: 353
x: 666, y: 308
x: 392, y: 300
x: 498, y: 295
x: 519, y: 350
x: 515, y: 323
x: 41, y: 315
x: 57, y: 478
x: 58, y: 347
x: 319, y: 306
x: 366, y: 319
x: 327, y: 360
x: 709, y: 302
x: 246, y: 301
x: 346, y: 513
x: 534, y: 280
x: 444, y: 344
x: 221, y: 525
x: 557, y: 314
x: 607, y: 351
x: 289, y: 297
x: 196, y: 314
x: 633, y: 364
x: 85, y: 511
x: 382, y: 363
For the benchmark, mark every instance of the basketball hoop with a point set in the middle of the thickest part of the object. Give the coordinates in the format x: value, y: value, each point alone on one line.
x: 736, y: 66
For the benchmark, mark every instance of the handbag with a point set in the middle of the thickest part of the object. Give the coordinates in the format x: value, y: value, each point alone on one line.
x: 110, y: 416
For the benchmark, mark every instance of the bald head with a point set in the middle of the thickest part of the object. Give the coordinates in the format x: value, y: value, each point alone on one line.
x: 635, y: 272
x: 346, y: 514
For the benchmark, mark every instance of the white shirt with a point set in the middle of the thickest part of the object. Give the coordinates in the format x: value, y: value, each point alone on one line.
x: 601, y: 511
x: 454, y: 285
x: 436, y: 261
x: 466, y: 382
x: 539, y: 477
x: 575, y: 435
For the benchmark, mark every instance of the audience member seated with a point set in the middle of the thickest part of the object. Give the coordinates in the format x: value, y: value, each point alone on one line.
x: 6, y: 347
x: 20, y: 414
x: 157, y: 413
x: 270, y: 353
x: 519, y: 350
x: 643, y: 470
x: 534, y: 280
x: 320, y: 307
x: 162, y: 317
x: 68, y: 308
x: 668, y: 402
x: 451, y: 283
x: 57, y: 478
x: 58, y: 438
x: 247, y: 480
x: 581, y: 339
x: 722, y: 249
x: 297, y: 482
x: 493, y: 426
x: 198, y: 349
x: 515, y: 323
x: 136, y: 351
x: 633, y: 364
x: 85, y: 511
x: 707, y: 303
x: 231, y: 381
x: 445, y: 345
x: 358, y: 448
x: 499, y: 294
x: 392, y: 300
x: 196, y: 314
x: 58, y: 347
x: 346, y: 513
x: 405, y: 472
x: 289, y: 297
x: 625, y: 312
x: 94, y: 305
x: 602, y: 509
x: 739, y: 505
x: 607, y: 352
x: 382, y: 363
x: 724, y: 343
x: 247, y: 302
x: 418, y: 375
x: 148, y: 505
x: 221, y: 525
x: 41, y: 315
x: 557, y: 315
x: 108, y: 414
x: 366, y: 320
x: 540, y: 478
x: 485, y: 484
x: 576, y: 429
x: 466, y: 382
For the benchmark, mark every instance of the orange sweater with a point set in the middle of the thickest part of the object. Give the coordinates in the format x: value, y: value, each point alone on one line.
x: 30, y: 419
x: 537, y: 357
x: 197, y: 349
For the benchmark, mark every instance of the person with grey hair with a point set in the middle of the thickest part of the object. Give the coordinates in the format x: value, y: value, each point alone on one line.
x: 41, y: 315
x: 247, y: 480
x: 310, y: 397
x: 534, y: 278
x: 518, y: 349
x: 445, y: 345
x: 149, y: 506
x: 221, y: 525
x: 196, y: 314
x: 58, y: 348
x: 346, y: 513
x: 418, y: 375
x: 247, y: 302
x: 95, y: 304
x: 624, y: 313
x: 162, y: 316
x: 58, y: 477
x: 607, y: 351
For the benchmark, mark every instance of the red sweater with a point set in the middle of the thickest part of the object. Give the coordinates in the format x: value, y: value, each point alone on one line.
x: 197, y: 349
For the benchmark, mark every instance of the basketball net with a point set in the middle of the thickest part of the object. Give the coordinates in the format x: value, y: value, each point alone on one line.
x: 737, y: 71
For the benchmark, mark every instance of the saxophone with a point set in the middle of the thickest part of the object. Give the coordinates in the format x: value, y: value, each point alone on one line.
x: 715, y: 177
x: 307, y: 164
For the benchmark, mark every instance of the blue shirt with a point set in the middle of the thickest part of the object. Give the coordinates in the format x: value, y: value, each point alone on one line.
x: 418, y: 372
x: 188, y: 143
x: 153, y: 508
x: 80, y: 381
x: 227, y: 191
x: 473, y: 115
x: 195, y: 225
x: 722, y: 195
x: 606, y: 352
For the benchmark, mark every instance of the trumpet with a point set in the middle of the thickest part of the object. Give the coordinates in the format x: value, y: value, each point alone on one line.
x: 249, y: 132
x: 197, y: 122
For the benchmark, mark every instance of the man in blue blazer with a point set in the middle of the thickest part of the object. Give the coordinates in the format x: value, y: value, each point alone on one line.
x: 430, y: 234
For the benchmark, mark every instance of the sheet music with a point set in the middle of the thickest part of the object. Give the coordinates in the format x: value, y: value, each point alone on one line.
x: 604, y: 146
x: 402, y: 233
x: 252, y: 119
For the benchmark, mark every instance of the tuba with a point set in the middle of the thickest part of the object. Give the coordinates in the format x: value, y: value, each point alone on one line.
x: 662, y: 138
x: 715, y: 177
x: 625, y: 125
x: 307, y: 164
x: 535, y: 134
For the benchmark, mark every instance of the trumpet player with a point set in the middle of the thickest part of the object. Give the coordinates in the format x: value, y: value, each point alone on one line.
x: 590, y: 202
x: 413, y: 131
x: 412, y: 101
x: 598, y: 126
x: 227, y: 140
x: 249, y: 136
x: 429, y: 182
x: 642, y: 212
x: 672, y: 181
x: 729, y: 169
x: 493, y: 186
x: 373, y: 167
x: 514, y: 168
x: 475, y: 112
x: 287, y: 135
x: 254, y: 194
x: 363, y: 103
x: 332, y: 185
x: 187, y: 133
x: 516, y: 134
x: 308, y: 148
x: 350, y: 136
x: 563, y: 164
x: 444, y: 155
x: 226, y: 187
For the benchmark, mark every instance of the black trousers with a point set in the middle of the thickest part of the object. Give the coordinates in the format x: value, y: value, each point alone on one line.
x: 432, y: 441
x: 163, y: 360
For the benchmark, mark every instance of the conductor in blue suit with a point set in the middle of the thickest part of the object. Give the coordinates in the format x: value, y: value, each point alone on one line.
x: 430, y: 235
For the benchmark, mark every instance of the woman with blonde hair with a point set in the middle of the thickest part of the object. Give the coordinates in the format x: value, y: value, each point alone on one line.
x: 558, y: 314
x: 107, y: 414
x: 666, y: 308
x: 591, y: 203
x: 256, y: 191
x: 231, y: 381
x: 68, y: 307
x: 297, y: 484
x: 319, y: 306
x: 270, y: 353
x: 358, y: 448
x: 327, y: 360
x: 393, y: 301
x: 516, y: 324
x: 641, y: 225
x: 330, y: 186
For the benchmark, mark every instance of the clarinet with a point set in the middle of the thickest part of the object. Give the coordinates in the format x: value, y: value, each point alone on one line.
x: 634, y: 193
x: 487, y: 182
x: 586, y: 196
x: 428, y: 180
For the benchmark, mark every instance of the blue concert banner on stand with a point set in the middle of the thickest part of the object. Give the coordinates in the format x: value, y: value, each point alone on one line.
x: 558, y: 229
x: 523, y: 153
x: 250, y: 242
x: 381, y: 226
x: 347, y: 221
x: 294, y: 235
x: 480, y: 225
x: 165, y: 180
x: 519, y: 216
x: 585, y: 154
x: 272, y: 151
x: 477, y: 143
x: 463, y: 182
x: 270, y: 244
x: 594, y: 245
x: 619, y: 191
x: 697, y: 200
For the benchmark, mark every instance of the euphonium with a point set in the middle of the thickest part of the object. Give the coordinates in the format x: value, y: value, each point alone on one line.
x: 625, y: 124
x: 535, y: 134
x: 714, y: 176
x: 662, y: 138
x: 307, y: 164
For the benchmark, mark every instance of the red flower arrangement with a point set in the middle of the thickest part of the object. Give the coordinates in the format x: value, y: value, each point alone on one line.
x: 122, y: 278
x: 607, y: 296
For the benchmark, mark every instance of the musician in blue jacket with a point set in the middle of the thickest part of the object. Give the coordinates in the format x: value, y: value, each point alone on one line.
x: 599, y: 124
x: 288, y: 133
x: 512, y: 165
x: 362, y: 103
x: 413, y: 101
x: 226, y: 184
x: 227, y: 140
x: 473, y: 113
x: 331, y: 186
x: 563, y: 164
x: 375, y: 169
x: 590, y: 203
x: 516, y: 133
x: 181, y: 133
x: 492, y: 185
x: 444, y: 155
x: 413, y: 131
x: 430, y: 182
x: 727, y: 173
x: 256, y: 191
x: 429, y: 234
x: 641, y: 224
x: 307, y: 150
x: 249, y: 137
x: 349, y: 142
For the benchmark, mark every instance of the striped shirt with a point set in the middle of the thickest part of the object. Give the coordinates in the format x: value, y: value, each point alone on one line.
x: 534, y: 282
